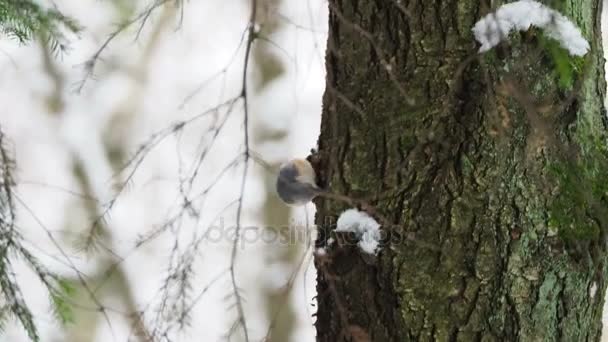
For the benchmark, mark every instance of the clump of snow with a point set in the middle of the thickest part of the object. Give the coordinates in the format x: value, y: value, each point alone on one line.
x: 370, y: 241
x: 353, y: 220
x: 520, y: 15
x: 365, y: 228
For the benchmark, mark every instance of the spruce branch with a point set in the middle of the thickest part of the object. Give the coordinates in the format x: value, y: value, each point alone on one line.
x: 25, y: 20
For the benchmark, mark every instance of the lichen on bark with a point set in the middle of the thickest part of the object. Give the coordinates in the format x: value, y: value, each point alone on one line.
x: 489, y: 169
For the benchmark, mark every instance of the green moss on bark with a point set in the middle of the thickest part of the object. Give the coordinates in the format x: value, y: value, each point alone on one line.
x: 466, y: 156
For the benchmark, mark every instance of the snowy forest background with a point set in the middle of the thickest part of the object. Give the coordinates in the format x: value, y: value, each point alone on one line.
x: 128, y: 146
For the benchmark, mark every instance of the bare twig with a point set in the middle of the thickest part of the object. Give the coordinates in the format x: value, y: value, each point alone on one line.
x: 239, y: 302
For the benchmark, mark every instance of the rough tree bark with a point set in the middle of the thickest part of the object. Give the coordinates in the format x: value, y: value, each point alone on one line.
x: 496, y: 160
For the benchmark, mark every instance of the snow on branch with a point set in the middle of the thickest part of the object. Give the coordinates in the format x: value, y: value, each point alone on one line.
x: 519, y: 16
x: 365, y: 228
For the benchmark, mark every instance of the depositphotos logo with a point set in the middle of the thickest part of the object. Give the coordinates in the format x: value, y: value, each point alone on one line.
x: 289, y: 234
x: 294, y: 233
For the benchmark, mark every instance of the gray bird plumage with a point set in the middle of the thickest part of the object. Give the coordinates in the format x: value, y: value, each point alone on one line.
x: 296, y: 182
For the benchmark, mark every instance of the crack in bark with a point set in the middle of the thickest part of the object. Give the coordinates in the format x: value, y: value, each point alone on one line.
x: 437, y: 170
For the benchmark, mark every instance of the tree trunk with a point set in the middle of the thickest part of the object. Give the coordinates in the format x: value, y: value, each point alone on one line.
x: 492, y: 170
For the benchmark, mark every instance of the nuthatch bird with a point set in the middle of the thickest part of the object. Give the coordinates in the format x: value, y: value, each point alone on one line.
x: 297, y: 182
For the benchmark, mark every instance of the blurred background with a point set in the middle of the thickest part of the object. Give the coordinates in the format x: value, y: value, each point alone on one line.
x: 129, y: 170
x: 129, y: 154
